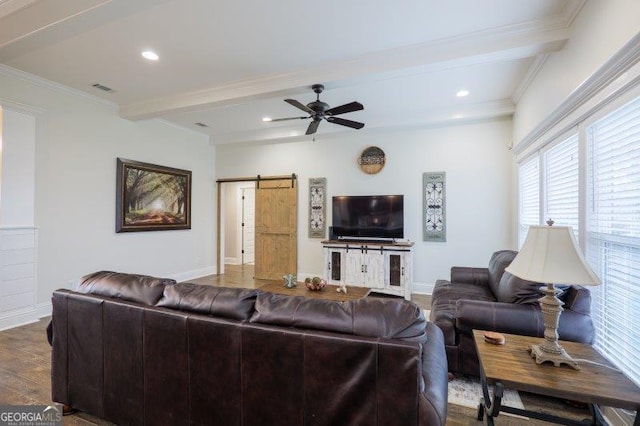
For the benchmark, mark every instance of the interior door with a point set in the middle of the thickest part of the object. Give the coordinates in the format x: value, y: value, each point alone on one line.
x: 276, y: 228
x: 248, y: 225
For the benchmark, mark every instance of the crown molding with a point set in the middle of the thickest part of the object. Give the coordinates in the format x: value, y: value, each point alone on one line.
x: 531, y: 74
x: 20, y: 107
x: 7, y: 7
x: 613, y: 69
x: 571, y: 11
x: 52, y: 85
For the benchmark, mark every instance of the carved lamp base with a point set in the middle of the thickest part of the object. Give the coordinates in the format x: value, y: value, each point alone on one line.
x: 559, y: 358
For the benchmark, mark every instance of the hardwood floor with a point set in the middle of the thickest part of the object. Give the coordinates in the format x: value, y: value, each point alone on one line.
x: 25, y: 367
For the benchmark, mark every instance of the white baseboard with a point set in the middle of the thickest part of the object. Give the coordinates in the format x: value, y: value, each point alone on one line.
x: 231, y: 261
x: 24, y: 316
x: 196, y: 273
x: 422, y: 288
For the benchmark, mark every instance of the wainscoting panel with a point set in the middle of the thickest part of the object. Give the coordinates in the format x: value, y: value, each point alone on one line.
x: 18, y: 246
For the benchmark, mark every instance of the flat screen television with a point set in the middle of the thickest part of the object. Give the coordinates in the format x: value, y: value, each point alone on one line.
x: 368, y: 216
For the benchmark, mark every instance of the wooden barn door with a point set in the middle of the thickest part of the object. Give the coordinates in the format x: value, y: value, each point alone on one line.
x: 276, y: 228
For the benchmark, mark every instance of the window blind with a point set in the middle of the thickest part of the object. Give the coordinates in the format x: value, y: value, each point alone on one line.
x: 561, y: 184
x: 613, y: 234
x: 529, y: 190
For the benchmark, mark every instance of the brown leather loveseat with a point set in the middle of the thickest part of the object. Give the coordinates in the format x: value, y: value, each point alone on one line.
x: 492, y: 299
x: 140, y: 350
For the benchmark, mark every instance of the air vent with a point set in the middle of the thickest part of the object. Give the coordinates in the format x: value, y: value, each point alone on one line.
x: 201, y: 124
x: 103, y: 88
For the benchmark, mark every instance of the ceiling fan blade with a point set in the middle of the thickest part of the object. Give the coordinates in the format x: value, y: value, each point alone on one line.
x: 313, y: 126
x: 289, y: 118
x: 299, y: 105
x: 343, y: 122
x: 343, y: 109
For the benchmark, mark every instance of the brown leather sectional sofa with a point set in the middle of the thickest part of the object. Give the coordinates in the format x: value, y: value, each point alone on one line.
x: 141, y: 350
x: 492, y: 299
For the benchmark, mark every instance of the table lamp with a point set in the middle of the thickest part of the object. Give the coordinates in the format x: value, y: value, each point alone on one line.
x: 551, y: 255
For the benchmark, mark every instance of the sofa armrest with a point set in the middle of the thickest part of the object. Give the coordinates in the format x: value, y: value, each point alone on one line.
x: 578, y: 299
x: 526, y: 320
x: 462, y: 274
x: 433, y: 397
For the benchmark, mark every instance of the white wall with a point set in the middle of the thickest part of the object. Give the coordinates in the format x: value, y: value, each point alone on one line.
x: 17, y: 170
x: 600, y: 29
x: 77, y: 142
x: 474, y: 156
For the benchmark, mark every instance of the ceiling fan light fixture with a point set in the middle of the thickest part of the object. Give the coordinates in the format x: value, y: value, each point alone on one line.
x: 150, y: 55
x: 319, y: 111
x: 462, y: 93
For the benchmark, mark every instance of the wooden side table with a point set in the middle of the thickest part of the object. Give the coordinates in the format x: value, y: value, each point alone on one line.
x: 510, y: 365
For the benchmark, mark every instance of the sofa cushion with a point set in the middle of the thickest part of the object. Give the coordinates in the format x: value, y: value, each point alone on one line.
x: 235, y: 303
x: 374, y: 317
x: 132, y: 287
x: 498, y: 262
x: 516, y: 290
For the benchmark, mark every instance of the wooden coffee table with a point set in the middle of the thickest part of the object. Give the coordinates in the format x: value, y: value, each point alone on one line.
x: 328, y: 292
x: 511, y: 365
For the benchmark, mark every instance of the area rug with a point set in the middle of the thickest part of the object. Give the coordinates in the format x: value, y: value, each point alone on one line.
x: 467, y: 392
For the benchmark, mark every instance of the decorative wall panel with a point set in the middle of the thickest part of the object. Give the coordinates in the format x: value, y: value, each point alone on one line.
x: 434, y: 208
x: 317, y: 207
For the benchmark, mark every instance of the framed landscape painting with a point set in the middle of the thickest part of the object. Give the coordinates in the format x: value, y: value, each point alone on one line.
x: 151, y: 197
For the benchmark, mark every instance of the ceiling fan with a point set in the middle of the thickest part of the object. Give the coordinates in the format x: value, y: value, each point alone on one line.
x: 319, y: 110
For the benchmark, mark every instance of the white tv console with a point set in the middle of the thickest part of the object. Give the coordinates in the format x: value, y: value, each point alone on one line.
x: 385, y: 267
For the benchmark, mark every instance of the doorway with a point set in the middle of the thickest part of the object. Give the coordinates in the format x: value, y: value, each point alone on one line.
x: 257, y: 230
x: 238, y: 216
x: 248, y: 231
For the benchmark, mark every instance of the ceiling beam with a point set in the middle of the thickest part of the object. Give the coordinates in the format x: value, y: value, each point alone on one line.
x: 504, y: 44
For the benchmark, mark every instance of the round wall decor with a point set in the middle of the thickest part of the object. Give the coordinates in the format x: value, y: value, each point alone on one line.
x: 371, y: 160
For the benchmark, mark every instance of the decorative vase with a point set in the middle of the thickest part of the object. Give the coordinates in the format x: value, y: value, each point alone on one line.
x: 315, y: 283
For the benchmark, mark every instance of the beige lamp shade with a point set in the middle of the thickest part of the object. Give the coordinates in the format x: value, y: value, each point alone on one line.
x: 550, y: 254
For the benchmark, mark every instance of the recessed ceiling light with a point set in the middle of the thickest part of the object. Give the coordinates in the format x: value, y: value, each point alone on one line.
x: 462, y: 93
x: 150, y: 55
x: 266, y: 119
x: 458, y: 116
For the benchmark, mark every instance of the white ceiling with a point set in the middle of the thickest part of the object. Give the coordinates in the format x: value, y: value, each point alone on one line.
x: 229, y: 63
